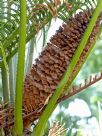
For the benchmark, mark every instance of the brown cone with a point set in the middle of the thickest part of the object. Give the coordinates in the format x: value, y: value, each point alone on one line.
x: 45, y: 75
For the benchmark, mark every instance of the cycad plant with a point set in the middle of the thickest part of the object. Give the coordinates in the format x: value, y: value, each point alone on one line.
x: 35, y: 93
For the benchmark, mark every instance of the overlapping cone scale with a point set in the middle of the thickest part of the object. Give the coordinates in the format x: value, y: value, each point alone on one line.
x: 53, y: 61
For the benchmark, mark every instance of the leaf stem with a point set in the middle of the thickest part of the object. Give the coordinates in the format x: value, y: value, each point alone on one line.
x: 18, y: 126
x: 5, y: 84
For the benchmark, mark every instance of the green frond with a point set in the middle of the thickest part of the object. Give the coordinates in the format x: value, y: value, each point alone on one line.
x: 39, y: 13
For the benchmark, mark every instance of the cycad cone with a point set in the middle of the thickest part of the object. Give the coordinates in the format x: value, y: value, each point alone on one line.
x: 45, y: 75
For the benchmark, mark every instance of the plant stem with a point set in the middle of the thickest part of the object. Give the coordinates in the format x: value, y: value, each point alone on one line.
x: 15, y: 60
x: 18, y: 126
x: 39, y: 130
x: 11, y: 82
x: 5, y: 85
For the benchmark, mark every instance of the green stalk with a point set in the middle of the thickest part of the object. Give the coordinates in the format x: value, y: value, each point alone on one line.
x: 15, y: 60
x: 10, y: 65
x: 39, y: 130
x: 11, y: 82
x: 18, y: 125
x: 5, y: 84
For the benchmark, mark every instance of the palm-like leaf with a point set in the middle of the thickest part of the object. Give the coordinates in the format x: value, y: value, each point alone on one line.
x: 38, y: 15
